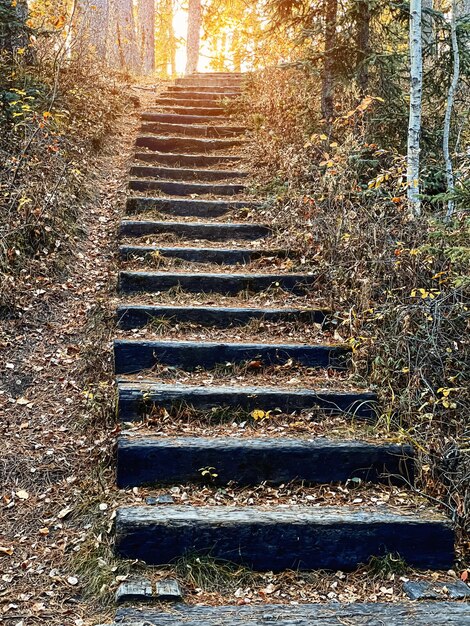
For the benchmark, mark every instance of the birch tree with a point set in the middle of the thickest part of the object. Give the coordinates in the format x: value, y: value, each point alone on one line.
x: 450, y: 103
x: 146, y: 35
x: 414, y: 124
x: 193, y: 35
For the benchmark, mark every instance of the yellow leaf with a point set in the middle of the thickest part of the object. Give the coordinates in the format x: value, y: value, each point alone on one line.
x: 257, y: 414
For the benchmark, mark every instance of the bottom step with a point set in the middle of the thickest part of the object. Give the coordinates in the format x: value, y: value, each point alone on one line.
x: 277, y: 538
x: 356, y: 614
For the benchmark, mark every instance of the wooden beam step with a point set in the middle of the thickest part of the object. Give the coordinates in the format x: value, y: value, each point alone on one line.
x: 186, y: 208
x: 178, y: 118
x: 136, y: 315
x: 192, y: 130
x: 321, y: 614
x: 177, y: 460
x: 196, y: 88
x: 135, y: 355
x: 180, y: 173
x: 277, y: 538
x: 190, y: 160
x: 192, y: 107
x: 211, y: 282
x: 190, y: 230
x: 192, y: 144
x: 134, y: 398
x: 173, y: 188
x: 221, y: 256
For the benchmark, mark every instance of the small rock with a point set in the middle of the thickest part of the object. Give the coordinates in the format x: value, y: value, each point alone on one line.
x: 422, y: 590
x: 164, y: 499
x: 139, y: 590
x: 168, y: 590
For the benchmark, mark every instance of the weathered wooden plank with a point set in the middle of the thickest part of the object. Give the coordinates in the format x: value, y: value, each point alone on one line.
x: 181, y: 118
x: 329, y: 614
x: 278, y: 538
x: 191, y: 130
x: 135, y: 355
x: 137, y: 590
x: 135, y: 398
x: 186, y: 189
x: 189, y: 160
x: 194, y: 144
x: 424, y: 590
x: 191, y: 107
x: 179, y: 173
x: 146, y: 461
x: 199, y: 230
x: 222, y: 256
x: 186, y: 208
x: 135, y: 316
x: 229, y: 284
x: 168, y: 590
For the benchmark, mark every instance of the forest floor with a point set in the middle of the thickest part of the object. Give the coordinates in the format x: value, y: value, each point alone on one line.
x: 58, y: 432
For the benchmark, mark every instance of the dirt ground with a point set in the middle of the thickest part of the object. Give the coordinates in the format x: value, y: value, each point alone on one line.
x: 58, y: 431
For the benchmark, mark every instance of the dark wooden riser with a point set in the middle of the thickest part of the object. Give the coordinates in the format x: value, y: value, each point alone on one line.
x: 150, y: 461
x: 277, y: 538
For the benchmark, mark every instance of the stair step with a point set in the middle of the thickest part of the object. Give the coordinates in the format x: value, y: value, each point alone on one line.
x: 135, y: 398
x: 227, y: 284
x: 135, y: 316
x: 277, y: 538
x: 147, y: 461
x: 221, y: 91
x: 327, y: 614
x: 199, y: 230
x: 170, y: 144
x: 192, y: 130
x: 136, y: 355
x: 179, y: 173
x: 202, y: 98
x: 173, y: 188
x: 178, y: 118
x: 193, y: 107
x: 229, y: 256
x: 224, y: 81
x: 191, y: 160
x: 186, y: 208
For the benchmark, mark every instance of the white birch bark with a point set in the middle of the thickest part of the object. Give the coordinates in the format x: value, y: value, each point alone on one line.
x: 193, y: 36
x: 146, y: 35
x: 450, y: 103
x: 414, y: 125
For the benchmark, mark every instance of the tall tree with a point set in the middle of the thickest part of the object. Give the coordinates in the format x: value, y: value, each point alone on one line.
x: 91, y: 25
x: 123, y: 51
x: 146, y: 35
x: 362, y: 19
x: 13, y: 31
x: 428, y: 24
x: 450, y: 103
x: 416, y: 92
x: 193, y: 36
x: 328, y: 82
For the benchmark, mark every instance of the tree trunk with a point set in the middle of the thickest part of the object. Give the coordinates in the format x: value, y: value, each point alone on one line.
x: 91, y: 26
x: 450, y: 103
x: 327, y: 101
x: 146, y: 34
x: 414, y: 126
x: 193, y: 36
x: 362, y: 44
x: 171, y: 37
x: 124, y: 53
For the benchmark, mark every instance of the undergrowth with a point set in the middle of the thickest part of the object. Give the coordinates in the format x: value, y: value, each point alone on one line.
x: 55, y: 111
x: 399, y: 286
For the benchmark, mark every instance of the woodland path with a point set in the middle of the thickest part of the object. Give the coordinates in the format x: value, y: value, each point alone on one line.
x: 214, y: 328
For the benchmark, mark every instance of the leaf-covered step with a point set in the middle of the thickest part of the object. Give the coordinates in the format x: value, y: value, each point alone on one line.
x: 227, y: 284
x: 327, y: 614
x: 221, y: 91
x: 190, y: 230
x: 180, y: 173
x: 186, y: 189
x: 136, y: 355
x: 192, y: 144
x: 147, y: 460
x: 194, y: 98
x: 181, y: 118
x: 192, y: 130
x: 277, y: 538
x: 221, y: 256
x: 188, y: 160
x: 186, y: 208
x: 137, y: 398
x: 135, y: 315
x: 193, y: 107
